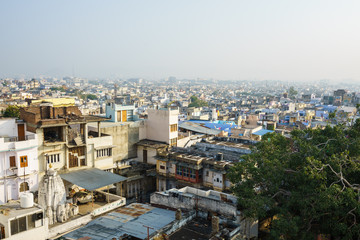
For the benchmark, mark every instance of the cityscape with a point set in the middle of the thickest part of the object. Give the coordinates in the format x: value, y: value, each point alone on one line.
x: 104, y: 148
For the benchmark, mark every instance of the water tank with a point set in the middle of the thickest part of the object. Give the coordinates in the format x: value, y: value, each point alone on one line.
x: 27, y: 200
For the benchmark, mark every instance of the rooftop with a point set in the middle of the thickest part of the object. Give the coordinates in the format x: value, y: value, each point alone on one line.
x: 129, y: 220
x: 12, y: 209
x: 151, y: 143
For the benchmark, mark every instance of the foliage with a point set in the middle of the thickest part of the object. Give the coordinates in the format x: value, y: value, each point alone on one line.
x: 12, y: 111
x: 292, y: 92
x: 89, y: 96
x: 61, y: 89
x: 304, y: 185
x: 196, y: 102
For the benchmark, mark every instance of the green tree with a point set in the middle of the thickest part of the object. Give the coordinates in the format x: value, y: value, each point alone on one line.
x: 89, y: 96
x: 304, y: 185
x: 196, y: 102
x: 12, y: 111
x: 292, y: 92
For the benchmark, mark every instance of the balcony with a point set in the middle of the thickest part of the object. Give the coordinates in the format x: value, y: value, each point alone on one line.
x: 17, y: 139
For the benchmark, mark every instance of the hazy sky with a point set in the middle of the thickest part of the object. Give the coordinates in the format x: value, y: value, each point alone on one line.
x: 252, y: 39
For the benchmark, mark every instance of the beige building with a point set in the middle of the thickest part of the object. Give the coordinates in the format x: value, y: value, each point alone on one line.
x: 65, y: 141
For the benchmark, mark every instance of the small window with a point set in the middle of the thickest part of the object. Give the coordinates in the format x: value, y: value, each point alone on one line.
x: 12, y: 161
x: 104, y: 152
x: 14, y: 226
x: 207, y: 173
x: 173, y: 127
x: 23, y: 161
x: 22, y: 224
x: 24, y: 186
x: 162, y: 167
x: 173, y: 142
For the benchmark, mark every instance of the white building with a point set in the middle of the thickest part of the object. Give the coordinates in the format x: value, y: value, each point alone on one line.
x: 162, y: 126
x: 19, y: 164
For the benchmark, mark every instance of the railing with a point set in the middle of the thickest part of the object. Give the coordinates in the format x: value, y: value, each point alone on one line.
x: 18, y: 139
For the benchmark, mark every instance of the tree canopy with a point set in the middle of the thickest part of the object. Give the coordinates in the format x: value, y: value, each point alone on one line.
x: 196, y: 102
x: 304, y: 185
x: 292, y: 92
x: 12, y: 111
x: 89, y: 96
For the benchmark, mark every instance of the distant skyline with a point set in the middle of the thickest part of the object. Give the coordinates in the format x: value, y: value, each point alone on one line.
x: 234, y: 40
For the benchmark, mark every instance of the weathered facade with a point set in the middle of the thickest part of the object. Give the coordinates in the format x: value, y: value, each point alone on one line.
x: 64, y: 140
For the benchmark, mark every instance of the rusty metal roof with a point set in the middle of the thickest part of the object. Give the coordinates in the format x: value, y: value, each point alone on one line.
x: 129, y: 220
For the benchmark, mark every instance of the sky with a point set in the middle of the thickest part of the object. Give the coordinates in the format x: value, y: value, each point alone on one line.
x: 154, y: 39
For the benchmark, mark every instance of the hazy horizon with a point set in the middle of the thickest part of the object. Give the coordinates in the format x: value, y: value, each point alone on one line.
x: 232, y: 40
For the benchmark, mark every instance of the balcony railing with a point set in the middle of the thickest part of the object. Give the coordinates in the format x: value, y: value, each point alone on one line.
x: 17, y: 139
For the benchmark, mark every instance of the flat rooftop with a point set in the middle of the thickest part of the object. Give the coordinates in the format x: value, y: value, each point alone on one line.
x: 129, y: 220
x: 228, y: 144
x: 12, y: 209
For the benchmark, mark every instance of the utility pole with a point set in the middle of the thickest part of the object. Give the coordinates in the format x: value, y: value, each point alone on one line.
x: 148, y: 231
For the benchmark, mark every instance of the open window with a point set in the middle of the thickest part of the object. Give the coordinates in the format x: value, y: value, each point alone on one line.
x: 53, y: 134
x: 24, y: 186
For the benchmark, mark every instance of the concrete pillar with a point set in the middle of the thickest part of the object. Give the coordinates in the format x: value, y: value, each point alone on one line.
x: 215, y: 221
x: 178, y: 214
x: 99, y: 129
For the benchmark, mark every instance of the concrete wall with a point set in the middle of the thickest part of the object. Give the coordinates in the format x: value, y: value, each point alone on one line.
x: 39, y: 233
x: 222, y: 147
x: 151, y: 153
x: 67, y: 226
x: 133, y: 138
x: 96, y: 143
x: 202, y: 200
x: 8, y: 127
x: 158, y: 124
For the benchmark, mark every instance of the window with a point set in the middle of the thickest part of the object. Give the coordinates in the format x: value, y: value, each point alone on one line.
x: 31, y: 221
x: 173, y: 127
x: 14, y: 226
x: 186, y: 172
x: 207, y: 173
x: 106, y: 152
x: 173, y: 142
x: 178, y: 171
x: 18, y: 225
x: 23, y: 161
x: 24, y: 186
x: 12, y: 161
x: 192, y: 173
x: 53, y: 158
x: 162, y: 167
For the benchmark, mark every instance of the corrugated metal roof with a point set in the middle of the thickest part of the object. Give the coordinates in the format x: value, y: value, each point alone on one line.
x: 128, y: 220
x: 198, y: 128
x: 92, y: 179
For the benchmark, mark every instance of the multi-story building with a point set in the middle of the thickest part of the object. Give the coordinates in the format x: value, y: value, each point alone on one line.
x: 162, y: 125
x: 177, y: 168
x: 64, y: 140
x: 19, y: 163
